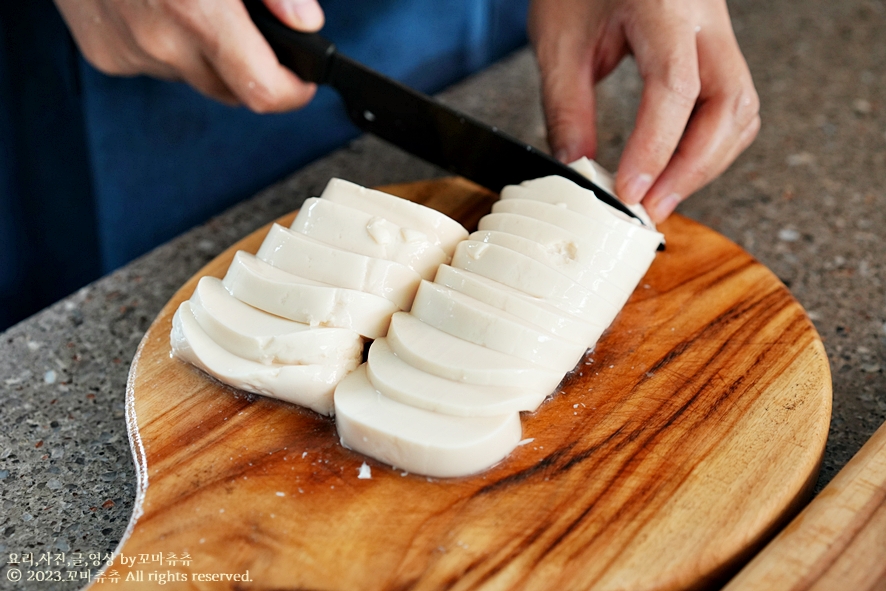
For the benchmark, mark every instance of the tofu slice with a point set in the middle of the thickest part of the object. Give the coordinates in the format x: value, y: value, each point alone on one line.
x: 258, y: 336
x: 303, y: 256
x: 585, y: 277
x: 531, y: 309
x: 399, y: 381
x: 443, y: 231
x: 308, y: 385
x: 267, y: 288
x: 624, y: 272
x: 605, y: 179
x: 367, y: 234
x: 464, y: 317
x: 431, y: 350
x: 560, y: 191
x: 626, y: 241
x: 533, y: 278
x: 418, y: 440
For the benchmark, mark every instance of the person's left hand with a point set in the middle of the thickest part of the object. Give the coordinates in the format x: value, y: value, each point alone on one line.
x: 699, y: 109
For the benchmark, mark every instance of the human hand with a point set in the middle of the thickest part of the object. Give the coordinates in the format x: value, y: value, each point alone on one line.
x: 210, y: 44
x: 698, y: 111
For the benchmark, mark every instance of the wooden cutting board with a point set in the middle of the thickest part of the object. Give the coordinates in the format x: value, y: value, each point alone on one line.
x: 838, y: 541
x: 674, y: 451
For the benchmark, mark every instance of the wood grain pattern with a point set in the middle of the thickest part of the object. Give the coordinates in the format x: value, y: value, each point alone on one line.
x: 671, y: 454
x: 838, y: 541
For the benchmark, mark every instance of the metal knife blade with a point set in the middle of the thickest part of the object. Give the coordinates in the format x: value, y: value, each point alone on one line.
x: 415, y: 122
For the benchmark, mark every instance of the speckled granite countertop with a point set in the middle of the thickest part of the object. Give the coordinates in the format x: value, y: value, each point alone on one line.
x: 807, y: 199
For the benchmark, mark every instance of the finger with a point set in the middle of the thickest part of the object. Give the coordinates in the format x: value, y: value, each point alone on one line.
x: 249, y: 67
x: 569, y: 107
x: 725, y: 123
x: 167, y: 52
x: 562, y: 39
x: 303, y: 15
x: 666, y: 54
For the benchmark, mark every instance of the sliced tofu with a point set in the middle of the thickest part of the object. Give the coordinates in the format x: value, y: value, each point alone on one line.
x: 431, y: 350
x: 367, y: 234
x: 605, y: 179
x: 301, y: 255
x: 444, y: 231
x: 624, y: 240
x: 531, y: 309
x: 399, y: 381
x: 560, y: 191
x: 308, y: 385
x: 588, y: 278
x: 464, y: 317
x: 258, y: 336
x: 533, y: 278
x: 624, y: 272
x: 260, y: 285
x: 418, y: 440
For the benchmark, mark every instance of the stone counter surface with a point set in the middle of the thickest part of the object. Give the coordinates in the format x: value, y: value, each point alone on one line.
x: 807, y: 199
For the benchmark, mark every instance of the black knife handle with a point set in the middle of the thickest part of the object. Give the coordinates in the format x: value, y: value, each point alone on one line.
x: 307, y: 54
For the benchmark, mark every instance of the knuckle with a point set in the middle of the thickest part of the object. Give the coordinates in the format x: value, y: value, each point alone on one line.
x: 262, y: 98
x: 749, y: 133
x: 111, y: 63
x: 746, y: 106
x: 683, y: 84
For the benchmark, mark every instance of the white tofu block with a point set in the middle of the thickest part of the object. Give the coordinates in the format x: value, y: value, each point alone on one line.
x: 443, y: 231
x: 431, y: 350
x: 258, y: 336
x: 625, y: 242
x: 371, y: 235
x: 533, y: 278
x: 258, y: 284
x: 531, y: 309
x: 587, y: 278
x: 399, y: 381
x: 308, y: 385
x: 624, y: 272
x: 416, y: 440
x: 472, y: 320
x: 301, y: 255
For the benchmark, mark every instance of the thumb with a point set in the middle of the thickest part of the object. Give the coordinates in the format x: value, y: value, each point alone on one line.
x: 570, y: 108
x: 302, y: 15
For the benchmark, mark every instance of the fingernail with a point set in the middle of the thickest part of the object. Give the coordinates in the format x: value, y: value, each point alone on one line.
x: 636, y: 188
x: 563, y: 156
x: 307, y: 13
x: 665, y: 207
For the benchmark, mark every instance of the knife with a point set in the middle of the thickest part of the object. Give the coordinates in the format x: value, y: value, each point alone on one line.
x: 415, y: 122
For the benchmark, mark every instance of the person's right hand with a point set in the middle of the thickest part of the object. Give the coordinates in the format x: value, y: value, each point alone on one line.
x: 210, y: 44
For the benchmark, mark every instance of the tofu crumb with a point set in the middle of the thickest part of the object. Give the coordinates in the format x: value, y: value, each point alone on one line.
x: 364, y: 471
x: 281, y: 494
x: 526, y: 441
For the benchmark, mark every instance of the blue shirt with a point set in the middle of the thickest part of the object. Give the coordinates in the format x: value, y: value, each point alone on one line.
x: 96, y: 170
